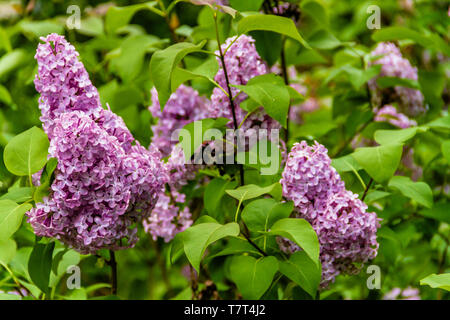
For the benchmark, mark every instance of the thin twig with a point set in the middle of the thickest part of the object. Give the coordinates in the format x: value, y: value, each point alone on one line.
x: 367, y: 189
x: 230, y: 94
x: 246, y: 235
x: 113, y: 264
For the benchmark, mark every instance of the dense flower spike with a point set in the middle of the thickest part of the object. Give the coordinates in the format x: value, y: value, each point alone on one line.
x: 309, y: 177
x: 184, y: 106
x: 394, y: 65
x: 347, y: 233
x: 62, y: 80
x: 105, y: 182
x: 242, y: 62
x: 100, y: 191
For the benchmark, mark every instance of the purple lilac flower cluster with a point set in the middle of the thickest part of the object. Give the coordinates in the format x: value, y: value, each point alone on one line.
x: 346, y: 231
x: 289, y: 10
x: 105, y: 182
x: 388, y: 113
x: 184, y: 106
x: 62, y: 81
x: 394, y: 65
x: 405, y: 294
x: 242, y: 62
x: 167, y: 219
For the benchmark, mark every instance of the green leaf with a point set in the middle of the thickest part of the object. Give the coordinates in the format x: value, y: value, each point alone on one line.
x: 417, y: 191
x: 445, y: 147
x: 206, y: 70
x: 316, y: 124
x: 388, y: 82
x: 11, y: 215
x: 253, y: 276
x: 5, y: 96
x: 197, y: 238
x: 263, y: 155
x: 402, y: 33
x: 41, y: 28
x: 379, y: 162
x: 272, y: 23
x: 432, y: 84
x: 324, y: 40
x: 176, y: 248
x: 303, y: 271
x: 270, y: 92
x: 246, y: 5
x: 251, y: 191
x: 345, y: 164
x: 26, y: 153
x: 63, y: 259
x: 12, y: 60
x: 384, y: 137
x: 40, y: 265
x: 261, y: 214
x: 18, y: 195
x: 357, y: 77
x: 268, y: 44
x: 441, y: 281
x: 439, y: 123
x: 316, y: 11
x: 163, y: 63
x: 214, y: 193
x: 91, y: 26
x: 195, y: 132
x: 440, y: 211
x: 130, y: 61
x: 375, y: 195
x: 7, y: 251
x: 118, y: 17
x: 6, y: 296
x: 235, y: 246
x: 300, y: 232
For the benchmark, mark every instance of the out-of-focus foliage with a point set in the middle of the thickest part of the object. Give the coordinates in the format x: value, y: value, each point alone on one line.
x: 116, y: 41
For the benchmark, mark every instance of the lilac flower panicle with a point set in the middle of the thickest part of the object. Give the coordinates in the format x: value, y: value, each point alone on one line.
x: 184, y: 106
x: 105, y: 182
x: 62, y: 80
x: 411, y: 101
x: 309, y: 177
x: 346, y: 231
